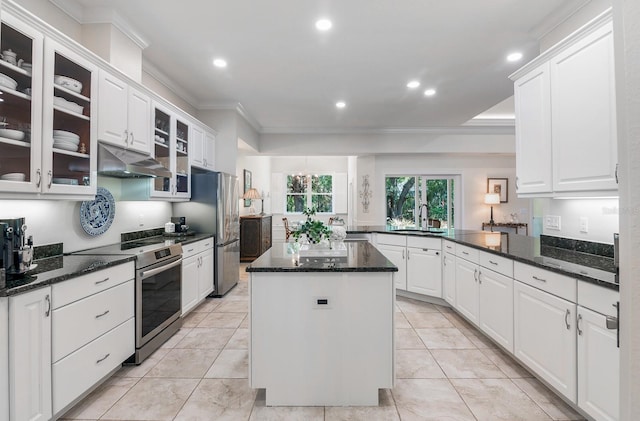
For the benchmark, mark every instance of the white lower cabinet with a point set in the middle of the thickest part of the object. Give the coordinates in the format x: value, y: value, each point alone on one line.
x: 397, y: 255
x: 496, y: 307
x: 449, y: 278
x: 30, y: 356
x: 197, y: 273
x: 545, y: 337
x: 424, y: 266
x: 467, y: 289
x: 598, y: 366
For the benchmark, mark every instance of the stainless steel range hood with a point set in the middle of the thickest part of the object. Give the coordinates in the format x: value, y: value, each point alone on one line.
x: 124, y: 163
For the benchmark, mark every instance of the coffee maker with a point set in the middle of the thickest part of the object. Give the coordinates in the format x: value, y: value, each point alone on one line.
x: 17, y: 248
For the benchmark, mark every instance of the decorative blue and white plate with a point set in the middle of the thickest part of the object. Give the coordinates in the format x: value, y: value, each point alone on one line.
x: 97, y: 215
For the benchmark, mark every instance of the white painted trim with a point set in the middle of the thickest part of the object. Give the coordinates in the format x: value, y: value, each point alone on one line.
x: 494, y: 122
x: 464, y: 129
x: 100, y: 14
x: 577, y: 35
x: 158, y: 75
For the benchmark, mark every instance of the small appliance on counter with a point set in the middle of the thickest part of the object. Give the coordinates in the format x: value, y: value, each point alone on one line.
x: 180, y: 223
x: 16, y: 247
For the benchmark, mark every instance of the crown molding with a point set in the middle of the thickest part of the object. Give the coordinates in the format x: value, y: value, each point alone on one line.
x: 233, y: 106
x: 491, y: 122
x: 560, y: 16
x: 158, y: 75
x: 463, y: 129
x: 100, y: 14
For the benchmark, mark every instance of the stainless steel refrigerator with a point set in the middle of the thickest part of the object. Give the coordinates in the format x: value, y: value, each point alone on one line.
x: 214, y: 208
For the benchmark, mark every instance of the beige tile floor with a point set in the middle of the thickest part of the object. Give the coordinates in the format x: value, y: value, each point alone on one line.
x: 446, y: 370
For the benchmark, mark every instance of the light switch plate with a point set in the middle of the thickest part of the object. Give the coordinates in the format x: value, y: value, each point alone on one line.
x: 584, y: 224
x: 552, y: 222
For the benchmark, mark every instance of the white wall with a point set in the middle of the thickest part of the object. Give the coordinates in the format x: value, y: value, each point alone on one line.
x: 58, y: 221
x: 601, y: 214
x: 260, y: 167
x: 225, y: 123
x: 474, y: 170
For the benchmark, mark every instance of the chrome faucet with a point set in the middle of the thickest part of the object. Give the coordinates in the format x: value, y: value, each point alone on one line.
x: 423, y: 214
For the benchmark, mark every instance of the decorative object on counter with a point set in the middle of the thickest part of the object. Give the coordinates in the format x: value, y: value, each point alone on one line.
x: 499, y: 186
x: 251, y: 195
x: 365, y: 194
x: 314, y: 230
x: 287, y: 231
x: 169, y: 228
x: 336, y: 220
x: 97, y: 215
x: 247, y: 186
x: 492, y: 199
x: 338, y: 233
x: 515, y: 226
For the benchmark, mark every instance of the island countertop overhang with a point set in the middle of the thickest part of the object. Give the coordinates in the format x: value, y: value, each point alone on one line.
x: 361, y: 257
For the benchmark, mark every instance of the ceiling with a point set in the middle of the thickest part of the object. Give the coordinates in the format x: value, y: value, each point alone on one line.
x: 287, y: 76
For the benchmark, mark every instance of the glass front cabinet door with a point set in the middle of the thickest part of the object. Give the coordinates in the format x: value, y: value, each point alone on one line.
x: 20, y: 106
x: 69, y: 126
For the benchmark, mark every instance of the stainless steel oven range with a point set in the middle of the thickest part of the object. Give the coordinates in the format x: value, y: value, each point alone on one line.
x: 158, y: 286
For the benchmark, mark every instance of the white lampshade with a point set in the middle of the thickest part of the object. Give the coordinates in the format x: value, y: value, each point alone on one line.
x: 251, y: 194
x: 492, y: 199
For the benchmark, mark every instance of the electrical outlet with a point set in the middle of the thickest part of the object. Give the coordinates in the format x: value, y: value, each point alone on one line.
x: 552, y: 222
x: 141, y: 220
x: 584, y: 224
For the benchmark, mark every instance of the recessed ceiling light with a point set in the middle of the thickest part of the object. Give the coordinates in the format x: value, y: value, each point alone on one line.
x: 323, y: 24
x: 219, y: 62
x: 413, y: 84
x: 430, y: 92
x: 340, y: 104
x: 514, y: 57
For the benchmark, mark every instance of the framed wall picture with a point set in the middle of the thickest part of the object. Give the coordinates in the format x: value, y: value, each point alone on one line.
x: 500, y: 186
x: 247, y: 186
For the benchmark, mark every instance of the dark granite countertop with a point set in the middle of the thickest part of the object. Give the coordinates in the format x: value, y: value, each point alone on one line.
x: 187, y: 239
x: 361, y: 257
x: 60, y: 268
x: 587, y: 267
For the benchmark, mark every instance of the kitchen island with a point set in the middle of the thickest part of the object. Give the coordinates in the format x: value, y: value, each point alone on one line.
x: 321, y: 328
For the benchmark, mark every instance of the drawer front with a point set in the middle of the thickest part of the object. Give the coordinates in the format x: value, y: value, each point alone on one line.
x: 449, y: 246
x: 74, y: 289
x: 391, y: 239
x: 192, y: 249
x: 467, y: 253
x: 497, y: 263
x: 597, y: 298
x: 424, y: 243
x: 78, y: 372
x: 82, y: 321
x: 551, y: 282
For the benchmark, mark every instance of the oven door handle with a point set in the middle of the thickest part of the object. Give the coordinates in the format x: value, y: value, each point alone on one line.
x: 148, y: 273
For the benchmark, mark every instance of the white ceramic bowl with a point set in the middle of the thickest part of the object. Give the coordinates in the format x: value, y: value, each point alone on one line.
x: 69, y: 105
x: 66, y: 140
x: 14, y: 176
x: 12, y: 134
x: 66, y: 146
x: 6, y: 81
x: 67, y: 82
x: 64, y: 133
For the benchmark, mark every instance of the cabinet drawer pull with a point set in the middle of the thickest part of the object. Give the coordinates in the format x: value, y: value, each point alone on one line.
x: 39, y: 179
x: 102, y: 282
x: 493, y: 263
x: 103, y: 314
x: 102, y: 359
x: 465, y: 253
x: 566, y: 319
x: 408, y: 255
x: 617, y: 181
x: 189, y: 251
x: 208, y: 244
x: 50, y: 174
x: 578, y: 324
x: 517, y: 183
x: 539, y: 279
x: 402, y: 254
x: 475, y: 275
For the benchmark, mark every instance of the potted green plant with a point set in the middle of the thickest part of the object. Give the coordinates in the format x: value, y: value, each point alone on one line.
x: 314, y: 229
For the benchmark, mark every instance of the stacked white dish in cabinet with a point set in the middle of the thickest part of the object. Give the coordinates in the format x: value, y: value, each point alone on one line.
x: 93, y: 330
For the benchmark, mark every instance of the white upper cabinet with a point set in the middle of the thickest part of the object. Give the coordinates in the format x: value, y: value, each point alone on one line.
x: 584, y: 115
x: 203, y: 147
x: 124, y: 114
x: 533, y: 131
x: 566, y: 142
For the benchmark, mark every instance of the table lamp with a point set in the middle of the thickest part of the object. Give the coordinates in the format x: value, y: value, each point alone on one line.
x: 492, y: 199
x: 252, y: 194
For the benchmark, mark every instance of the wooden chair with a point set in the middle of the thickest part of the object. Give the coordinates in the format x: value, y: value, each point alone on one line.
x: 435, y: 223
x: 287, y: 231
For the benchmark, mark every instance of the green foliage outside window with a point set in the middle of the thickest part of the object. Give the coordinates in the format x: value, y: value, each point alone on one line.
x: 313, y: 191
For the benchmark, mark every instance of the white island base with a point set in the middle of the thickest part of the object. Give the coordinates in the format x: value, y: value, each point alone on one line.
x: 321, y: 338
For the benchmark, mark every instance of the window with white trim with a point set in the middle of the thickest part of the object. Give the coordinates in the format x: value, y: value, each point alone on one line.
x: 309, y: 191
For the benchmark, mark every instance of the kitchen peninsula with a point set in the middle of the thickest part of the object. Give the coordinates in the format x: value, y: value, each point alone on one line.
x: 321, y: 328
